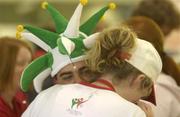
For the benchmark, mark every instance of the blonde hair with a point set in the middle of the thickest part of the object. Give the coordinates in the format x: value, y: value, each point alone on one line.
x: 103, y: 54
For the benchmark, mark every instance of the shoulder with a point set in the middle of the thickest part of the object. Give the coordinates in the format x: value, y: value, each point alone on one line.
x: 110, y: 101
x: 166, y: 80
x: 89, y: 99
x: 111, y: 104
x: 167, y: 86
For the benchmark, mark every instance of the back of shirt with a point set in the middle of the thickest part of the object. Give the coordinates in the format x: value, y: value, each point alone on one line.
x: 77, y: 100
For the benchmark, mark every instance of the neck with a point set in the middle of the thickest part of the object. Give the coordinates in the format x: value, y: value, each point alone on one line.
x: 120, y: 86
x: 123, y: 89
x: 104, y: 77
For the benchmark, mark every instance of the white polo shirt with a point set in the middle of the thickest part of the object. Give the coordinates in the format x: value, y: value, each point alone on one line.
x: 76, y: 100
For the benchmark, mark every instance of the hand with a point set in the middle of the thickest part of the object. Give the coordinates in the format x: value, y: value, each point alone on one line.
x: 146, y: 108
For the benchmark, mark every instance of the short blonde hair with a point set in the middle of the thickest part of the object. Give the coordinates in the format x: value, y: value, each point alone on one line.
x: 103, y: 54
x: 102, y: 57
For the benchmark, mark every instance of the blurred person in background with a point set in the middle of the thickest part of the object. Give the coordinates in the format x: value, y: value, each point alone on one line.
x: 15, y: 56
x: 167, y: 16
x: 172, y: 45
x: 163, y: 12
x: 167, y: 87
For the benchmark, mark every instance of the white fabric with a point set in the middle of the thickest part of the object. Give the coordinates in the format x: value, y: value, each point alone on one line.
x: 59, y: 61
x: 39, y: 79
x: 167, y: 97
x: 146, y: 59
x: 68, y: 44
x: 72, y: 29
x: 57, y: 102
x: 89, y: 41
x: 31, y: 37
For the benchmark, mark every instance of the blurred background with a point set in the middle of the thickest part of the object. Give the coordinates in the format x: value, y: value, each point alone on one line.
x: 14, y: 12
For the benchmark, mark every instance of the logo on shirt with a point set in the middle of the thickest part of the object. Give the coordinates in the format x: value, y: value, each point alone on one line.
x: 77, y: 103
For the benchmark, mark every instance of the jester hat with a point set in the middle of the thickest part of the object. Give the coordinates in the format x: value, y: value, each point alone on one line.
x: 65, y: 46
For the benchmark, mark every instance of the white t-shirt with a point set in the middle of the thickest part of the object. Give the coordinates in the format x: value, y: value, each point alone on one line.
x: 167, y: 97
x: 76, y: 100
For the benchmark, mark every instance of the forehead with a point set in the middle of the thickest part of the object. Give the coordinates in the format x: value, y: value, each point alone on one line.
x: 69, y: 67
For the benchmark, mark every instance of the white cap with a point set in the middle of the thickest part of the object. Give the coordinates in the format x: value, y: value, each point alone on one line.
x: 146, y: 59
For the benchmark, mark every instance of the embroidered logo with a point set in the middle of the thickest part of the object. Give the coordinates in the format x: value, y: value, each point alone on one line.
x: 76, y: 103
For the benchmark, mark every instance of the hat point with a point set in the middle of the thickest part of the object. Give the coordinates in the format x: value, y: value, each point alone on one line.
x: 44, y: 5
x: 83, y: 2
x: 112, y: 6
x: 20, y: 28
x: 102, y: 18
x: 18, y: 35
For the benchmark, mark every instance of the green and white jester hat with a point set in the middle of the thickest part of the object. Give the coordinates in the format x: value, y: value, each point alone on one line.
x: 65, y: 46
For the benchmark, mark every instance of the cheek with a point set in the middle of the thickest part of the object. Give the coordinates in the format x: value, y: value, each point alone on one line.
x: 137, y: 95
x: 137, y: 98
x: 19, y: 70
x: 17, y: 76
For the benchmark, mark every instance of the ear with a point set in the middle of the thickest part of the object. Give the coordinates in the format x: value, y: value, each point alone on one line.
x: 137, y: 81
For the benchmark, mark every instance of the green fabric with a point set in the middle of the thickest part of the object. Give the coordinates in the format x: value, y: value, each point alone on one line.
x: 91, y: 23
x: 36, y: 67
x: 55, y: 39
x: 61, y: 47
x: 79, y: 47
x: 46, y: 36
x: 59, y: 20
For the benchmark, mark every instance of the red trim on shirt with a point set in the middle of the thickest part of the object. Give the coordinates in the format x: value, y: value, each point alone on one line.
x: 151, y: 98
x: 102, y: 81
